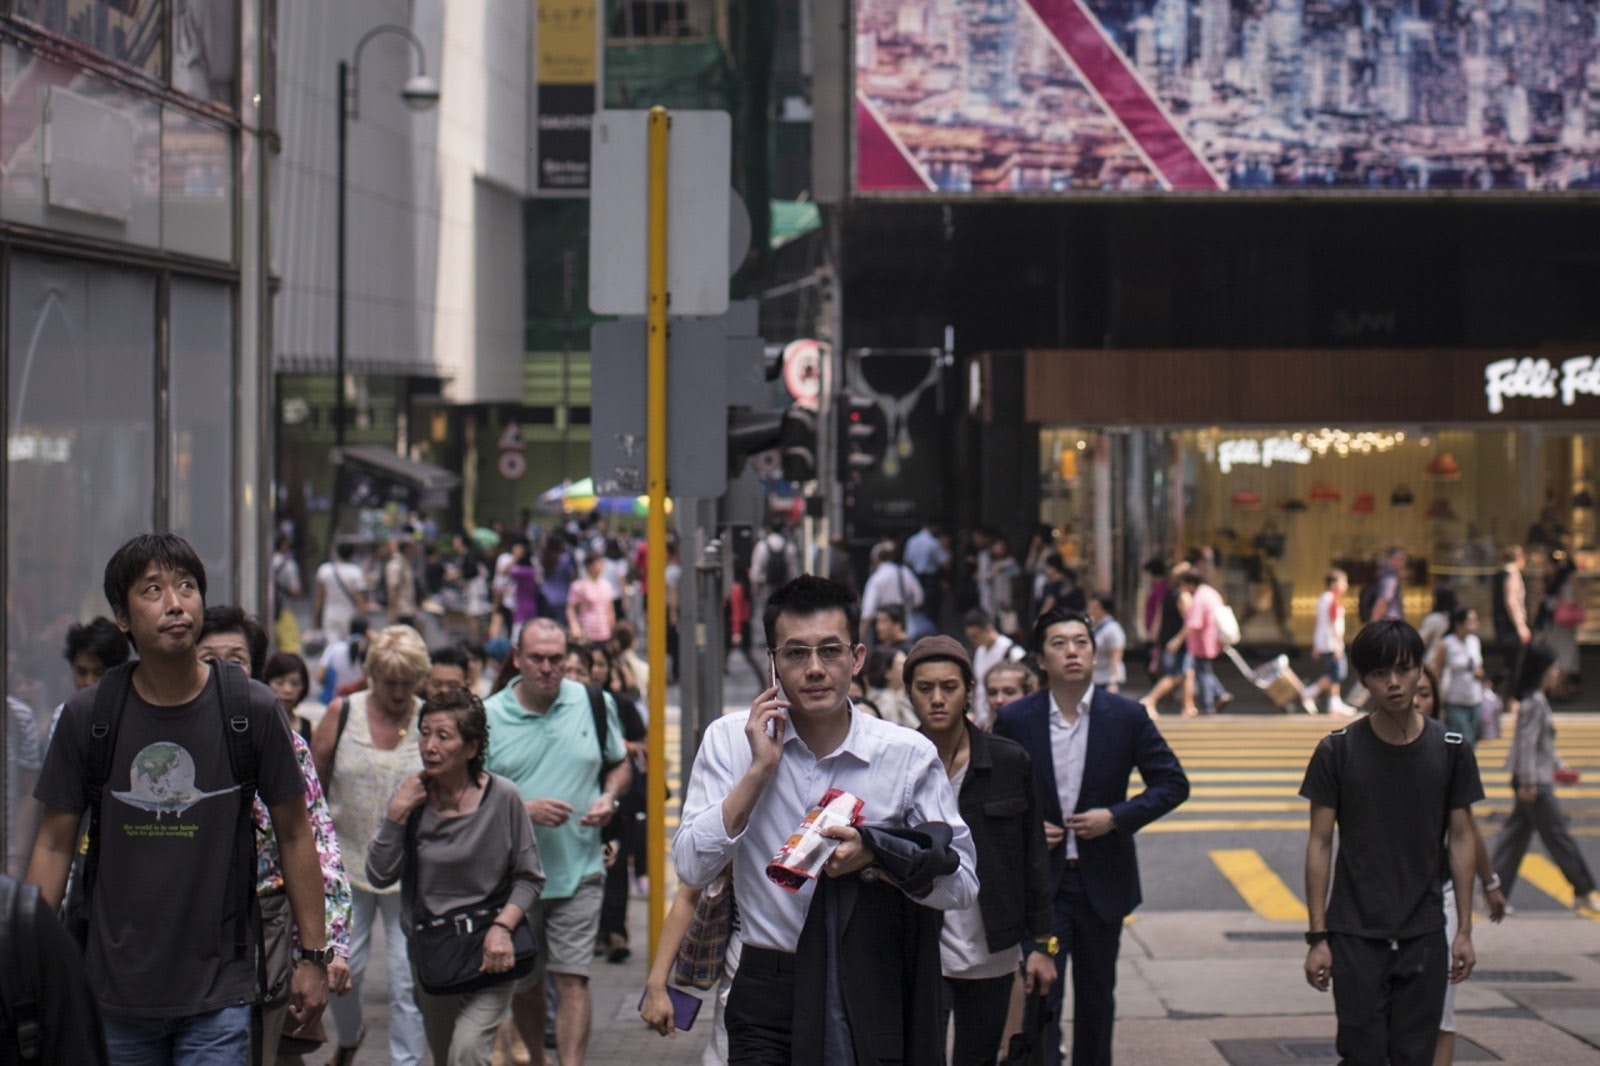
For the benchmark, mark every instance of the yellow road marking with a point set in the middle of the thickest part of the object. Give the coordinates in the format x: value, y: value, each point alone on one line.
x: 1260, y: 887
x: 1547, y: 877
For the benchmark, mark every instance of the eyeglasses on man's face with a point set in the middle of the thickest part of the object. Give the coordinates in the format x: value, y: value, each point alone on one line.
x: 831, y: 654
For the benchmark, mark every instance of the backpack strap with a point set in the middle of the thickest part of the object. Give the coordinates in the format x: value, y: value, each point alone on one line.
x: 109, y: 696
x: 19, y: 965
x: 234, y: 701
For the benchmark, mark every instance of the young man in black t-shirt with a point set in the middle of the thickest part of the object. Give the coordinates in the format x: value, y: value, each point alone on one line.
x: 1396, y: 784
x: 171, y: 969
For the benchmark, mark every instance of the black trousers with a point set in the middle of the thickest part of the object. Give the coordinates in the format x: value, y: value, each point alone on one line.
x: 760, y: 1014
x: 614, y: 898
x: 1545, y: 817
x: 1092, y: 945
x: 1388, y: 996
x: 979, y: 1007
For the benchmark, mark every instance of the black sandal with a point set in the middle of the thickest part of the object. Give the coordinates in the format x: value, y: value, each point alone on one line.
x: 346, y: 1056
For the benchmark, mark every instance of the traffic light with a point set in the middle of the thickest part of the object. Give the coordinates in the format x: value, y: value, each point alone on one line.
x: 798, y: 441
x: 751, y: 430
x: 859, y: 444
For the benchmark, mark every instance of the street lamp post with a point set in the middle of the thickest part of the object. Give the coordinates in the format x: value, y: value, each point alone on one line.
x: 420, y: 93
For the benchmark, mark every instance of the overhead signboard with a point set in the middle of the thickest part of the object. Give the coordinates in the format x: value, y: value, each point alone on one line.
x: 1009, y: 97
x: 566, y: 74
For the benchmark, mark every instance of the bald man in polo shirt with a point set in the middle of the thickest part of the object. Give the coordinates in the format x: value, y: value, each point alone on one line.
x: 542, y: 736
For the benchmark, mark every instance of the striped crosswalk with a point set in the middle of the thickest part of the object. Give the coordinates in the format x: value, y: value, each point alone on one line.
x: 1245, y: 777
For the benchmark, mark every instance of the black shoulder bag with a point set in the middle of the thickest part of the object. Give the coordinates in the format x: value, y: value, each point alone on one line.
x: 447, y: 949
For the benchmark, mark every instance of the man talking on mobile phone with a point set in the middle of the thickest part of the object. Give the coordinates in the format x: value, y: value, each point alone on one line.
x: 755, y: 778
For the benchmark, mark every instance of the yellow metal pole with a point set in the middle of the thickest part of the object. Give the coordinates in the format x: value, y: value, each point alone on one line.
x: 656, y: 485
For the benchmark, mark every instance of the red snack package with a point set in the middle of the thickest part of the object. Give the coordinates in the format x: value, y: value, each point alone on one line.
x: 802, y: 856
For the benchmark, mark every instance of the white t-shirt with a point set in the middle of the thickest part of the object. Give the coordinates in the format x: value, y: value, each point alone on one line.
x: 1462, y: 657
x: 1328, y: 635
x: 964, y: 944
x: 1109, y: 636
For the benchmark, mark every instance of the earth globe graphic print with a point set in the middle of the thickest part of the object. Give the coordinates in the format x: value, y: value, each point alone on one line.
x: 161, y: 779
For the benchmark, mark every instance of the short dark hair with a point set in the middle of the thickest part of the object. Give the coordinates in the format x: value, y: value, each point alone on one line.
x: 1459, y: 615
x: 448, y: 655
x: 1054, y: 617
x: 227, y: 618
x: 1384, y: 643
x: 895, y: 612
x: 167, y: 550
x: 287, y: 664
x: 807, y: 595
x: 346, y: 551
x: 1536, y: 659
x: 977, y: 617
x: 471, y: 720
x: 1155, y: 566
x: 473, y: 650
x: 101, y: 639
x: 1107, y: 602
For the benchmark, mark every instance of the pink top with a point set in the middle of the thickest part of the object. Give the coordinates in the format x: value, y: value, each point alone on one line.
x: 1203, y: 639
x: 591, y: 601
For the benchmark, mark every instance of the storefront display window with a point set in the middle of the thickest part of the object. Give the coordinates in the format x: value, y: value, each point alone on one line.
x: 80, y: 451
x: 1281, y: 506
x: 201, y: 449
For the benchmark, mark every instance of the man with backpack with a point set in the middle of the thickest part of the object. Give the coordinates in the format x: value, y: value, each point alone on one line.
x: 167, y: 754
x: 546, y: 735
x: 772, y: 564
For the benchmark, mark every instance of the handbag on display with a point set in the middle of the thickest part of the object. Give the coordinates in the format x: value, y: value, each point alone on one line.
x: 447, y: 949
x: 698, y: 963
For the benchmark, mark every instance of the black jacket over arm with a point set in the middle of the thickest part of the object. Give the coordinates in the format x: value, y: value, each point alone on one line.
x: 999, y: 801
x: 888, y: 962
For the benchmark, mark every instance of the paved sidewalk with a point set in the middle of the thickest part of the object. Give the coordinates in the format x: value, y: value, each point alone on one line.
x: 1217, y: 987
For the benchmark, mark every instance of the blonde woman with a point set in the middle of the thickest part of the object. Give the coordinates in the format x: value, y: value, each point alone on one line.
x: 364, y: 747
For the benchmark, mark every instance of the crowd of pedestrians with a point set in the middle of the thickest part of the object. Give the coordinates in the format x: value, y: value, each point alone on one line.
x: 483, y: 799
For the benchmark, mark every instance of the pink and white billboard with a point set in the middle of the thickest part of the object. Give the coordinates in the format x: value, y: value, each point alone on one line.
x: 1008, y: 97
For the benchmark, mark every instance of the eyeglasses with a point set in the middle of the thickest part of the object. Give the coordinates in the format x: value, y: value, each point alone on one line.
x: 800, y: 654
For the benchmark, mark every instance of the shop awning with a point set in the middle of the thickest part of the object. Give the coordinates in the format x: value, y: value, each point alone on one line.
x: 390, y: 465
x: 791, y: 220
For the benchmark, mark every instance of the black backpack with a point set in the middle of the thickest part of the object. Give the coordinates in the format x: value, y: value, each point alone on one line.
x: 777, y: 568
x: 19, y: 971
x: 109, y: 698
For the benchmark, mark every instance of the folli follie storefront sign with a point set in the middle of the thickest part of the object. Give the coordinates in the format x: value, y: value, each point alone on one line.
x: 1324, y: 386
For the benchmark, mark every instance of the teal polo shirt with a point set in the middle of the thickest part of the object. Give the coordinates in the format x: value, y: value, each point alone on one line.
x: 556, y: 755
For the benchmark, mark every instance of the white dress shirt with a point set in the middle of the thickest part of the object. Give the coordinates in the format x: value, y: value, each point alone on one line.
x: 964, y: 943
x: 1069, y: 747
x: 895, y: 770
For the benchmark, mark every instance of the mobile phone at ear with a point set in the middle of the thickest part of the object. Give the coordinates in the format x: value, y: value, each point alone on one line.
x: 685, y: 1008
x: 772, y: 667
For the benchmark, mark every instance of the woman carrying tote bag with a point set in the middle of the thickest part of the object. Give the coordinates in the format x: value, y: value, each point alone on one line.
x: 459, y: 841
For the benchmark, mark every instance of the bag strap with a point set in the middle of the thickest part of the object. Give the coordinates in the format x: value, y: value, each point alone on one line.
x: 602, y: 732
x: 19, y: 965
x: 109, y: 696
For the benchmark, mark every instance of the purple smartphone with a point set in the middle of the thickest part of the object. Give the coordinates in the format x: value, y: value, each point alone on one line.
x: 685, y: 1008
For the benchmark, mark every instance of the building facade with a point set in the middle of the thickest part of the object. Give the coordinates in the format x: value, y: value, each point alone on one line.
x: 134, y: 182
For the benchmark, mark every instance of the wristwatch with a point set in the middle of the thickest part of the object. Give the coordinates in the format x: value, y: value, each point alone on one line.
x: 319, y: 956
x: 1316, y: 937
x: 1051, y: 947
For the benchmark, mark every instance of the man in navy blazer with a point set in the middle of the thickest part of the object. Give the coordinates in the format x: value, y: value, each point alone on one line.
x: 1085, y: 743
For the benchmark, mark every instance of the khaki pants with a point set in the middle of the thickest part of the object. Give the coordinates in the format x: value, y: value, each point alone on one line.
x: 461, y: 1029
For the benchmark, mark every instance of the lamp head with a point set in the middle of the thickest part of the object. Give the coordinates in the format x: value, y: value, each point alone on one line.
x: 420, y: 93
